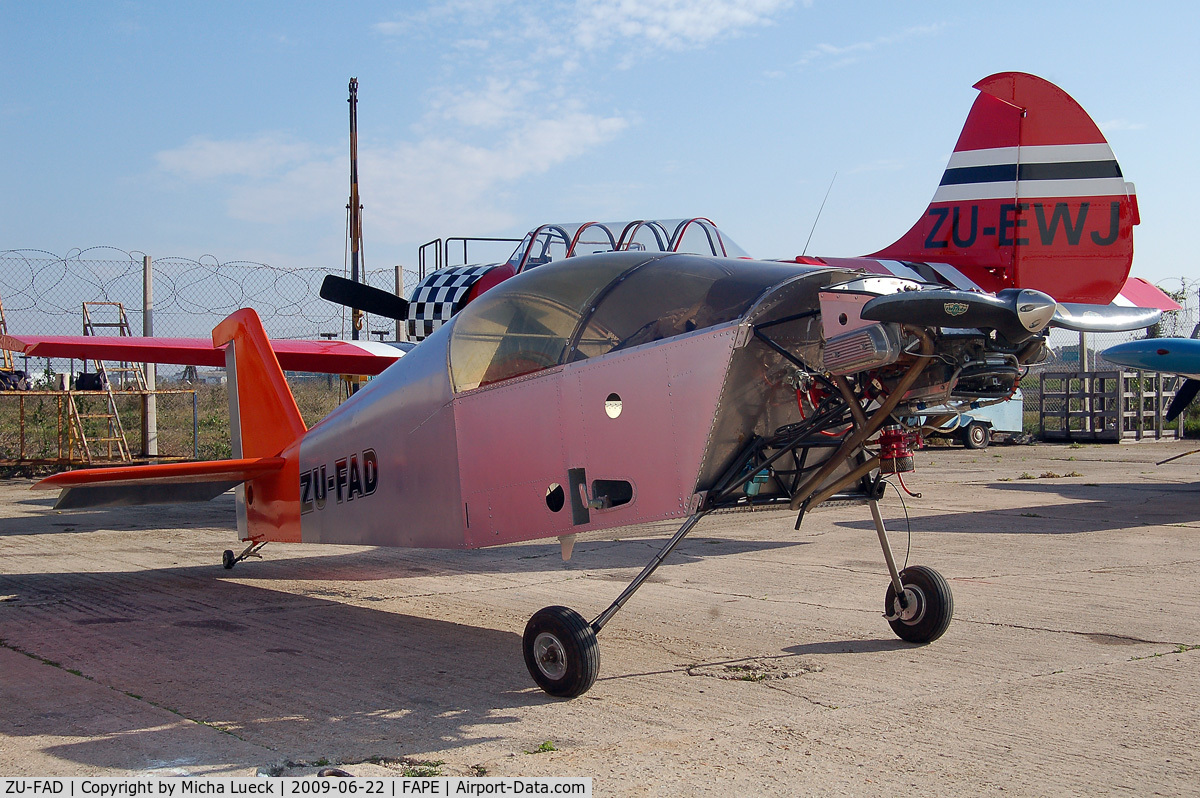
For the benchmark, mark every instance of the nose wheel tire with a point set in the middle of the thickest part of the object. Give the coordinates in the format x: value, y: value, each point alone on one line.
x: 927, y: 609
x: 228, y: 560
x: 561, y: 652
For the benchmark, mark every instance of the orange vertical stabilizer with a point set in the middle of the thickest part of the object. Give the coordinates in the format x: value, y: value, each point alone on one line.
x: 264, y: 422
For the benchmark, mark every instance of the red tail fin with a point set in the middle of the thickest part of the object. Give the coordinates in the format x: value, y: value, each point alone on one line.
x: 265, y: 422
x: 1032, y: 198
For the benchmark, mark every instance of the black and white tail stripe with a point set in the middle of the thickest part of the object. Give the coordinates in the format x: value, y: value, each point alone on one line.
x: 438, y: 297
x: 1060, y: 170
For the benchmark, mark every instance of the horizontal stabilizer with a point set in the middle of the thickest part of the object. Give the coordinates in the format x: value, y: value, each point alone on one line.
x: 1103, y: 318
x: 154, y: 484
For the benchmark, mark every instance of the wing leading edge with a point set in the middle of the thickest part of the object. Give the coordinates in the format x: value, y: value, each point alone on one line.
x: 323, y: 357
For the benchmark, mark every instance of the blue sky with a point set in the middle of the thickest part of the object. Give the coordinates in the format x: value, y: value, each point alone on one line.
x: 189, y: 129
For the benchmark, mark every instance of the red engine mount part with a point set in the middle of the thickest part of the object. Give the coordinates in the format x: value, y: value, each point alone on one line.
x: 895, y: 457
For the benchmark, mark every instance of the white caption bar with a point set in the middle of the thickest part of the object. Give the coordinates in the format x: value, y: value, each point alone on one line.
x: 176, y: 786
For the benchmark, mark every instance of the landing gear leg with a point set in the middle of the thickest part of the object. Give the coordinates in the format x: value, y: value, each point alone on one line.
x: 918, y: 605
x: 228, y: 560
x: 560, y: 647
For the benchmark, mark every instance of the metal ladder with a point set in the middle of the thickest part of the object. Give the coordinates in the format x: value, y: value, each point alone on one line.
x: 129, y: 377
x: 6, y: 359
x: 114, y: 438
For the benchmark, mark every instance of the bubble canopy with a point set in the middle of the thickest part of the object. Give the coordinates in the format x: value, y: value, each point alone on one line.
x: 588, y: 306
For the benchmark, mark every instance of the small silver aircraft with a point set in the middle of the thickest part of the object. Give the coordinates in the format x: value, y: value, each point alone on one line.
x: 632, y: 386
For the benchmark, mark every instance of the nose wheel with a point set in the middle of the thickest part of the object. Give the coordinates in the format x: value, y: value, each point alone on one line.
x: 924, y: 613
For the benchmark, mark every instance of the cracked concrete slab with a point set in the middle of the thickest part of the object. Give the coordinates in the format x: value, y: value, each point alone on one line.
x: 756, y: 660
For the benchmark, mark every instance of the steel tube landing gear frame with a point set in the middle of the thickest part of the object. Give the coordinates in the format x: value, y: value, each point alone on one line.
x: 560, y: 647
x: 918, y: 604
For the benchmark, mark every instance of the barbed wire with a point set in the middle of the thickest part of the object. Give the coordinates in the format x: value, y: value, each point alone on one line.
x: 43, y: 293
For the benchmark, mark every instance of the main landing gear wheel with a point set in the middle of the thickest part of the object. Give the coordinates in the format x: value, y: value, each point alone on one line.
x: 927, y: 609
x: 561, y: 652
x: 976, y: 435
x: 228, y: 560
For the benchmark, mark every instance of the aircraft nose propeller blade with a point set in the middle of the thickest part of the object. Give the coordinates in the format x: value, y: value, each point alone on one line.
x: 1018, y: 315
x: 1183, y: 397
x: 364, y: 298
x: 1103, y: 318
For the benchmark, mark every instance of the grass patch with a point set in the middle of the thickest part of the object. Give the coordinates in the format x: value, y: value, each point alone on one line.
x: 45, y: 421
x: 1180, y: 648
x: 422, y: 770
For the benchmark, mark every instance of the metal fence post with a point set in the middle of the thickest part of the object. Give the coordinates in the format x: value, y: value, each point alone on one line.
x: 149, y: 400
x: 401, y: 332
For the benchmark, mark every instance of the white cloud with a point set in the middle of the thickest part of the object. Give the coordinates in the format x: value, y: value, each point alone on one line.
x: 879, y: 165
x: 499, y: 102
x: 204, y: 158
x: 673, y: 24
x: 592, y: 25
x: 513, y: 101
x: 408, y: 189
x: 831, y: 56
x: 1114, y: 125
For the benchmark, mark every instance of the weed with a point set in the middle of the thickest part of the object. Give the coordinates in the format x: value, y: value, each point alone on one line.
x: 1026, y: 475
x: 422, y: 770
x: 1180, y: 648
x: 1050, y: 475
x: 1073, y: 474
x: 1075, y: 445
x: 478, y: 770
x: 746, y: 674
x: 544, y: 748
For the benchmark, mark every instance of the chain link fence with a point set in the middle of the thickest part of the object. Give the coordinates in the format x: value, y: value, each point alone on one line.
x: 1067, y: 348
x: 43, y: 294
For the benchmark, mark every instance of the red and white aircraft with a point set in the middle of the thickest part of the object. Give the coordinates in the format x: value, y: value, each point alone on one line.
x: 637, y: 385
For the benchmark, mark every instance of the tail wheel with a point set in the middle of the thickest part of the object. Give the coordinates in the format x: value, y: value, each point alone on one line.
x: 976, y: 435
x: 928, y: 605
x: 561, y: 652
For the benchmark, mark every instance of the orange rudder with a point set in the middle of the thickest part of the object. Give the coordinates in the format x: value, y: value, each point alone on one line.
x: 264, y: 422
